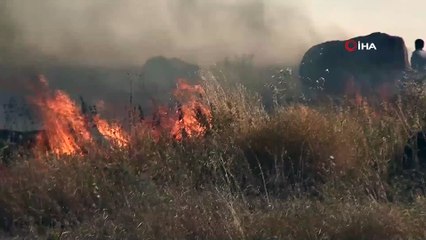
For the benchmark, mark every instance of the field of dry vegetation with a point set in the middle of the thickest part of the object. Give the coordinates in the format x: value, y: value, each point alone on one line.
x: 294, y: 171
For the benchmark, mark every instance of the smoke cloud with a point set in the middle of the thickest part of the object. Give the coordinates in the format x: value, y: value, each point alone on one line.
x: 95, y: 48
x: 128, y: 32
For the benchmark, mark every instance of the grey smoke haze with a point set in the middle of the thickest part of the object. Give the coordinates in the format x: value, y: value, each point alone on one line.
x: 128, y: 32
x: 88, y: 47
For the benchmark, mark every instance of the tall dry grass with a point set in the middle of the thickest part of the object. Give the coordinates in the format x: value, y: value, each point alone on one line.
x: 300, y: 172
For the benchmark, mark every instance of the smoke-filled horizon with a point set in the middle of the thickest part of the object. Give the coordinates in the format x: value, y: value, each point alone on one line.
x: 128, y: 32
x: 93, y: 48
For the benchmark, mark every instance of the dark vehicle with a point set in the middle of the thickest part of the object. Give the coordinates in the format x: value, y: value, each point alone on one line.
x: 340, y: 67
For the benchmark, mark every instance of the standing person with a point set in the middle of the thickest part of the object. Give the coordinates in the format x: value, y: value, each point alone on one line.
x: 418, y: 58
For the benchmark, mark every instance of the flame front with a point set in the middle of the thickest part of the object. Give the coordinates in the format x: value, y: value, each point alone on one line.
x: 65, y: 127
x: 193, y: 117
x: 68, y: 130
x: 113, y: 132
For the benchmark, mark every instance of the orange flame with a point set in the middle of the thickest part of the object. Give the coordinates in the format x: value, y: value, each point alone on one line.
x: 353, y: 91
x: 160, y: 123
x: 385, y: 92
x: 192, y: 111
x: 65, y: 126
x: 113, y: 132
x: 67, y: 129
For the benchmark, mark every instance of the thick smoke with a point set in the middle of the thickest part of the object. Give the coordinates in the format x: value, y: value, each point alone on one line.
x: 128, y: 32
x: 94, y: 48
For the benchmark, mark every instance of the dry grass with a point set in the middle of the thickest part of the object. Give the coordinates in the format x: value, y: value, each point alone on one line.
x: 251, y: 177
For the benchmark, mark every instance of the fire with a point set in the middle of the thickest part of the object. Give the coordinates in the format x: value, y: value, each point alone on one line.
x: 385, y: 92
x: 65, y: 126
x: 68, y: 128
x: 113, y: 132
x: 193, y: 117
x: 159, y: 124
x: 354, y: 92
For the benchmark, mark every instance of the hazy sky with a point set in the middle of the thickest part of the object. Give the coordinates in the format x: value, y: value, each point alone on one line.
x: 114, y: 32
x: 404, y: 18
x: 128, y: 32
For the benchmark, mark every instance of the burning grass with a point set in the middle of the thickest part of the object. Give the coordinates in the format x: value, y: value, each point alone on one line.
x: 70, y: 130
x: 216, y: 167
